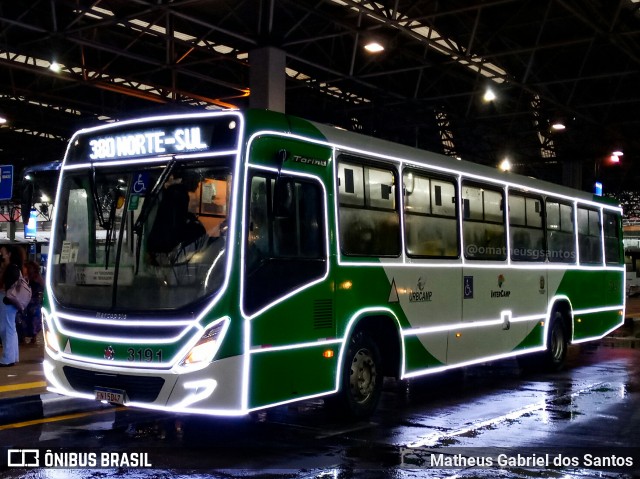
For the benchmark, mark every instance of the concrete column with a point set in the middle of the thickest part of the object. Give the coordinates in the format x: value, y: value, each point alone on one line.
x: 267, y: 78
x: 572, y: 174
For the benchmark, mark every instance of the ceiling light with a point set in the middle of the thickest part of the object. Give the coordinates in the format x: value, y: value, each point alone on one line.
x: 505, y: 165
x: 617, y: 153
x: 374, y: 47
x: 3, y: 120
x: 489, y: 95
x: 558, y: 126
x: 54, y: 67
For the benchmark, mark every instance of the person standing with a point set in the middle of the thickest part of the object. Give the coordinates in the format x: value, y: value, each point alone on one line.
x: 11, y: 262
x: 32, y: 315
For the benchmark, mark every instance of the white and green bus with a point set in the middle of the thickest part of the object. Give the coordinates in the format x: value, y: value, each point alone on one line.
x: 226, y: 262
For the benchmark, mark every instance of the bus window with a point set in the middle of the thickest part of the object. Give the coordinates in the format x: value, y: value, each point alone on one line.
x: 369, y: 219
x: 483, y: 225
x: 431, y: 227
x: 612, y: 238
x: 115, y: 240
x: 526, y: 233
x: 589, y: 241
x: 560, y: 233
x: 285, y: 246
x: 175, y: 223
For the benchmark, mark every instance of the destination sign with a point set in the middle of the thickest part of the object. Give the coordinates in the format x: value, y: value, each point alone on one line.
x: 156, y: 137
x: 147, y: 143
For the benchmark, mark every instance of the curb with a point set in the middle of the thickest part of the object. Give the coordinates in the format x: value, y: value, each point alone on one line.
x: 41, y: 406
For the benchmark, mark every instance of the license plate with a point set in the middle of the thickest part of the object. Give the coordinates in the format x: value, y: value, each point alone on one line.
x: 115, y: 396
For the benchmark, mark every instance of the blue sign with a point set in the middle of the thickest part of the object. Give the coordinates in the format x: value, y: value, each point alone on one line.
x: 140, y: 183
x: 6, y: 182
x: 598, y: 188
x: 31, y: 227
x: 468, y: 287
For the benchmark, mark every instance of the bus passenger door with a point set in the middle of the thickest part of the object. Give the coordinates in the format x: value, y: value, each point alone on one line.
x: 285, y: 292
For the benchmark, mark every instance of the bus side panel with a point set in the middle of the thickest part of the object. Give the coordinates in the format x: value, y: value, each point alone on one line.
x: 616, y: 295
x: 597, y: 297
x: 304, y: 317
x: 534, y: 339
x: 417, y: 352
x: 428, y: 299
x: 286, y: 375
x: 293, y: 326
x: 500, y: 310
x: 368, y: 291
x: 296, y: 368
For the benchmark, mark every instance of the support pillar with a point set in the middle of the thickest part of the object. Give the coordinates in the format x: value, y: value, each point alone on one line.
x: 572, y: 174
x: 267, y: 79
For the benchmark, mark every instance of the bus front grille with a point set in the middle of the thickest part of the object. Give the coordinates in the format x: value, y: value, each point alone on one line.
x: 133, y: 332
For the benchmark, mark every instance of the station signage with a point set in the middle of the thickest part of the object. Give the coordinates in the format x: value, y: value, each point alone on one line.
x: 6, y: 182
x: 147, y: 143
x: 31, y: 228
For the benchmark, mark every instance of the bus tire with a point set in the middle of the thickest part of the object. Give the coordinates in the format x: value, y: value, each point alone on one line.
x: 361, y: 381
x: 556, y: 352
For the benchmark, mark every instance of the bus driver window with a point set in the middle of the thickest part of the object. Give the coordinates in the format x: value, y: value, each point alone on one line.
x: 175, y: 227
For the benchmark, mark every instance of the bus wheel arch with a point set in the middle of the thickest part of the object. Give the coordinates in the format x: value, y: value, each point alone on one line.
x: 384, y: 330
x: 372, y: 351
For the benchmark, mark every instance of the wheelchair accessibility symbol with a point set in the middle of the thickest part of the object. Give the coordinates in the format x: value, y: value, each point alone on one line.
x: 468, y: 287
x: 140, y: 184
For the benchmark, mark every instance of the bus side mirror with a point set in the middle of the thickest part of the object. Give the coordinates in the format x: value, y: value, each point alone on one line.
x: 281, y: 157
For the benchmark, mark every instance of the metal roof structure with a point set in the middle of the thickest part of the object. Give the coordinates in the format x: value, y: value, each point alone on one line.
x: 67, y: 64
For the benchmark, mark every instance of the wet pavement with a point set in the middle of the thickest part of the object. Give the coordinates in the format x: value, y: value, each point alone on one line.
x: 495, y: 420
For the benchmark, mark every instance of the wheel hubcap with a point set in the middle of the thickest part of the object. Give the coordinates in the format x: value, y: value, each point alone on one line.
x: 363, y: 376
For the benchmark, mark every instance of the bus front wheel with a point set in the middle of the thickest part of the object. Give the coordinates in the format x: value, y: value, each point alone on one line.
x: 361, y: 381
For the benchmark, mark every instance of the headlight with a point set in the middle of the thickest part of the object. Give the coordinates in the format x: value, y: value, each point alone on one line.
x: 50, y: 338
x: 207, y: 346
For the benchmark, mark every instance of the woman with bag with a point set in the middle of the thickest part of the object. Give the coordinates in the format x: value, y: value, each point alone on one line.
x: 11, y: 263
x: 32, y: 314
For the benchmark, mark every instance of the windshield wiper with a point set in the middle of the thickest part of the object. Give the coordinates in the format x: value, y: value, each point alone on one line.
x: 97, y: 204
x: 98, y: 209
x: 115, y: 194
x: 147, y: 205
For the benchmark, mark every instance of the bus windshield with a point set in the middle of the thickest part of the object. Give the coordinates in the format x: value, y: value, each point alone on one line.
x: 149, y: 237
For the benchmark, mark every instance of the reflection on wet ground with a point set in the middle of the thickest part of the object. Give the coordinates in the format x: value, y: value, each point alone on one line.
x: 491, y: 421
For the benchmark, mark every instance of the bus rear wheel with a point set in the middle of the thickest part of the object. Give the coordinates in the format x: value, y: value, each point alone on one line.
x: 361, y: 382
x: 553, y: 357
x: 556, y: 353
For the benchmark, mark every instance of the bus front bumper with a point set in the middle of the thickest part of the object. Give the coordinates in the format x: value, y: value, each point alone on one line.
x: 216, y: 389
